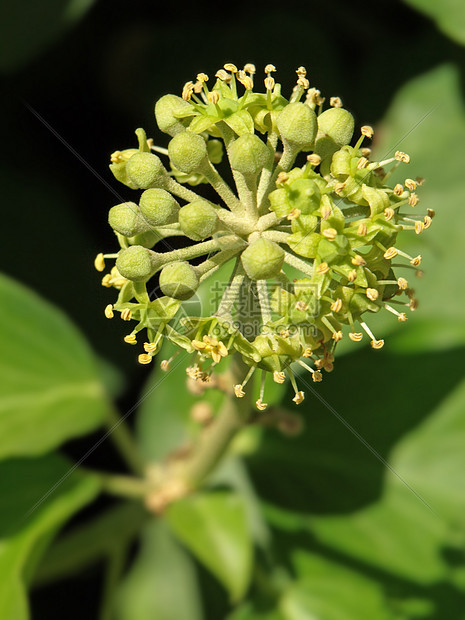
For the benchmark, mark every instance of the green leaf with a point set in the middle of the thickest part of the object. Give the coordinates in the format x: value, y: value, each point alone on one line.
x: 28, y: 28
x: 214, y: 527
x: 449, y: 16
x: 31, y: 515
x: 427, y: 120
x: 162, y: 583
x: 51, y: 389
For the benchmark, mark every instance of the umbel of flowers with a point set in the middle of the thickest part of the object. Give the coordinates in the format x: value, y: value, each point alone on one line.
x: 304, y: 198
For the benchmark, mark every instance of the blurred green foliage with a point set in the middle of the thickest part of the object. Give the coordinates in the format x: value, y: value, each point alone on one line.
x: 333, y: 533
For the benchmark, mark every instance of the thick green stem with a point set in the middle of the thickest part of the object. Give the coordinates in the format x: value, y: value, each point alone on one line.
x: 124, y: 441
x: 298, y: 263
x: 216, y: 439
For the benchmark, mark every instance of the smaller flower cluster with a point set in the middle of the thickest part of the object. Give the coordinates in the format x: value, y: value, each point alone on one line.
x: 331, y: 218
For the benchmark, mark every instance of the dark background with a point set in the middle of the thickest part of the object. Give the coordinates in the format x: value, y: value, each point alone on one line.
x: 97, y: 82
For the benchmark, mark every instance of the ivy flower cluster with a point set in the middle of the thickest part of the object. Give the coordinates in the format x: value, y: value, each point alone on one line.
x: 311, y: 228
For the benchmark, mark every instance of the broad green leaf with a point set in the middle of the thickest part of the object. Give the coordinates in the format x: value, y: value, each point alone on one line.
x: 51, y: 389
x: 28, y: 28
x: 34, y: 507
x: 162, y: 582
x: 427, y: 120
x: 326, y: 591
x: 214, y: 527
x: 449, y: 16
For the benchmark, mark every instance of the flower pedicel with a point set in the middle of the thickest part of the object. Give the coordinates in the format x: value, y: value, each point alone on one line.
x: 331, y: 218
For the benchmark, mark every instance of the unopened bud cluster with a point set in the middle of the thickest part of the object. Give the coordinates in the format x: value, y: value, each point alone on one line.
x: 303, y: 198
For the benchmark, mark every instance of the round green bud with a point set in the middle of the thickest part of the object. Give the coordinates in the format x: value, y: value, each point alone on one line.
x: 297, y: 126
x: 335, y: 129
x: 127, y: 220
x: 179, y: 280
x: 187, y: 151
x: 165, y: 110
x: 158, y: 207
x: 198, y: 220
x: 248, y: 154
x: 146, y: 170
x: 262, y: 259
x: 135, y: 263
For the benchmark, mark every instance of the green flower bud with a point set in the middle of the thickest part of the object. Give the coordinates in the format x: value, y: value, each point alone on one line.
x: 297, y: 126
x: 135, y: 263
x: 165, y: 110
x: 127, y: 219
x: 145, y: 170
x: 187, y: 152
x: 248, y: 154
x: 305, y: 195
x: 158, y: 207
x: 262, y: 259
x: 118, y: 167
x: 198, y: 220
x: 335, y: 129
x: 179, y: 280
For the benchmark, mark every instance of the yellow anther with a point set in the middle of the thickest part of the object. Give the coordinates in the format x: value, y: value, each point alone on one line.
x: 335, y: 102
x: 317, y: 376
x: 165, y: 365
x: 416, y: 261
x: 365, y: 151
x: 413, y: 200
x: 390, y: 253
x: 284, y: 333
x: 377, y: 344
x: 279, y: 377
x: 106, y: 280
x: 245, y: 80
x: 337, y: 336
x: 401, y: 156
x: 99, y: 262
x: 222, y: 75
x: 294, y: 214
x: 299, y: 397
x: 431, y: 213
x: 358, y: 260
x: 213, y: 96
x: 330, y: 233
x: 389, y: 214
x: 150, y: 347
x: 326, y: 212
x: 269, y: 83
x: 282, y: 178
x: 126, y: 314
x: 402, y: 284
x: 352, y: 275
x: 261, y: 406
x: 307, y: 352
x: 420, y: 180
x: 238, y: 391
x: 109, y: 311
x: 372, y: 294
x: 202, y: 77
x: 402, y: 317
x: 336, y: 306
x: 270, y: 69
x: 250, y: 68
x: 322, y: 268
x: 301, y: 71
x: 144, y: 358
x: 362, y: 163
x: 419, y: 227
x: 355, y: 336
x: 130, y: 339
x: 362, y: 230
x: 427, y: 221
x: 198, y: 87
x: 329, y: 367
x: 230, y: 67
x: 410, y: 184
x: 367, y: 131
x: 303, y: 82
x: 314, y: 159
x: 187, y: 91
x: 301, y: 306
x: 413, y: 305
x: 398, y: 189
x: 116, y: 157
x: 339, y: 187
